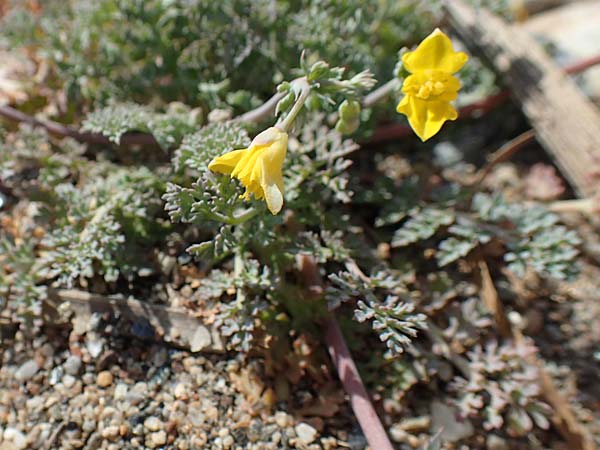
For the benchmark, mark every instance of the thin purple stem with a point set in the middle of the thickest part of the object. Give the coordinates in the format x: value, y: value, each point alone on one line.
x: 354, y: 387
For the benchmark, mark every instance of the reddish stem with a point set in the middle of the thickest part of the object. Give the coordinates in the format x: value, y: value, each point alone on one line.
x: 353, y: 385
x: 61, y: 130
x: 381, y: 134
x: 582, y: 65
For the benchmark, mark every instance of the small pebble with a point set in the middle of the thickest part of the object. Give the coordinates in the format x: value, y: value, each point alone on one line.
x: 27, y: 370
x: 180, y: 391
x: 120, y: 391
x: 16, y: 437
x: 495, y: 442
x: 228, y: 441
x: 104, y: 379
x: 111, y: 432
x: 153, y: 423
x: 94, y: 347
x: 281, y: 419
x: 305, y: 433
x: 69, y: 381
x: 276, y: 437
x: 157, y: 439
x: 72, y: 365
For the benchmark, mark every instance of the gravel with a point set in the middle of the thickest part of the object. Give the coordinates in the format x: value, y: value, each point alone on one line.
x: 54, y: 395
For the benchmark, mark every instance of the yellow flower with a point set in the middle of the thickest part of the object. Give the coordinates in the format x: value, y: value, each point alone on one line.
x: 431, y: 87
x: 258, y: 167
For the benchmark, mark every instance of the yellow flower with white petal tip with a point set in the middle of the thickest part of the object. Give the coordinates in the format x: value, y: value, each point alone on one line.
x: 431, y: 86
x: 258, y: 167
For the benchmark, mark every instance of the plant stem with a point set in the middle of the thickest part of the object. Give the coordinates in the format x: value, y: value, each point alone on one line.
x: 58, y: 129
x: 286, y: 123
x: 243, y: 217
x: 380, y: 93
x: 252, y: 116
x: 503, y: 154
x: 359, y: 399
x: 262, y: 112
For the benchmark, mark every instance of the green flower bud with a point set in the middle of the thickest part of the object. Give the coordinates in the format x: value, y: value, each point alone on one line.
x: 347, y: 127
x: 349, y: 110
x: 285, y: 103
x: 318, y: 71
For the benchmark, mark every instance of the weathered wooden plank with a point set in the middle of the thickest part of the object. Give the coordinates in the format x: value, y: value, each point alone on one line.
x: 567, y: 124
x: 526, y: 7
x: 573, y: 31
x: 170, y: 325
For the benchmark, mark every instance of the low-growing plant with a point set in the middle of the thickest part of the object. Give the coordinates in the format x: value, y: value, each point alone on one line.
x: 287, y: 215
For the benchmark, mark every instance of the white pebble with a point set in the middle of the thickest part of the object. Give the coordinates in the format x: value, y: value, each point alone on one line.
x: 153, y: 423
x: 18, y: 439
x: 27, y: 370
x: 305, y: 432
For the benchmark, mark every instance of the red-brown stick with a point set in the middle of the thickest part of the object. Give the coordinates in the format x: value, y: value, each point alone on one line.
x: 353, y: 385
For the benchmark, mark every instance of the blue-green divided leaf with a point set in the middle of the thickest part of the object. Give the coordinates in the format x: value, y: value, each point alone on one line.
x: 198, y: 149
x: 422, y: 225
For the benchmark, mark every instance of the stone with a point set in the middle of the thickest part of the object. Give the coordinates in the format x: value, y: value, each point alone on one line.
x: 27, y: 370
x: 120, y: 391
x: 180, y: 391
x: 282, y: 419
x: 94, y: 347
x: 445, y: 418
x: 16, y: 437
x: 228, y: 441
x: 495, y: 442
x: 56, y: 375
x: 305, y: 433
x: 89, y: 425
x: 153, y: 423
x: 157, y: 439
x: 104, y: 379
x: 276, y: 437
x: 111, y: 432
x: 72, y: 365
x: 201, y: 339
x: 69, y: 381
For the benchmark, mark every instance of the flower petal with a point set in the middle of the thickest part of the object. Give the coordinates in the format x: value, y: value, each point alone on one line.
x: 435, y: 52
x: 268, y: 136
x: 452, y: 86
x: 226, y: 163
x: 259, y: 167
x: 272, y: 186
x: 426, y: 117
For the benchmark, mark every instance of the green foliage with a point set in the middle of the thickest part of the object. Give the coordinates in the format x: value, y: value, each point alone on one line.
x: 93, y: 225
x: 167, y: 128
x: 375, y: 235
x: 503, y: 389
x: 422, y: 225
x: 529, y: 232
x: 465, y: 237
x: 255, y: 286
x: 19, y: 289
x: 199, y: 148
x: 394, y: 320
x: 208, y: 53
x: 98, y: 215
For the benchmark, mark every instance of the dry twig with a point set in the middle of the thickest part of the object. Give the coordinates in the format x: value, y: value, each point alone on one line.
x: 503, y: 154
